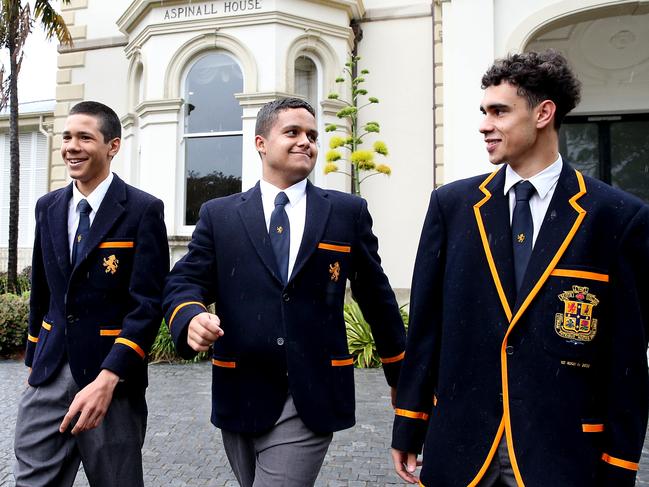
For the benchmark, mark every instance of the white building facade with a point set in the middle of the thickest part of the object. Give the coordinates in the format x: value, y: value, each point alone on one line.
x: 187, y: 79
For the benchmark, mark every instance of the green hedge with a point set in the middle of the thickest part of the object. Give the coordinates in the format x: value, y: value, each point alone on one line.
x: 14, y: 316
x: 23, y: 281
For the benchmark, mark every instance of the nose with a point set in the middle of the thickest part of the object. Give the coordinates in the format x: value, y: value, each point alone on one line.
x: 71, y: 144
x: 303, y: 139
x: 485, y: 126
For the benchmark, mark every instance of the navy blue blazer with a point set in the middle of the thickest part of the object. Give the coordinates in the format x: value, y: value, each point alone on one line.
x: 105, y: 312
x: 284, y: 338
x: 560, y: 369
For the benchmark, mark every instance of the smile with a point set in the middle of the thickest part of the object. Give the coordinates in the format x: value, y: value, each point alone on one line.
x: 491, y: 144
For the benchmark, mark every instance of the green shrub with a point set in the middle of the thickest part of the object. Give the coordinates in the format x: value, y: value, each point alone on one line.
x: 163, y: 349
x: 359, y: 336
x: 14, y: 317
x: 24, y: 283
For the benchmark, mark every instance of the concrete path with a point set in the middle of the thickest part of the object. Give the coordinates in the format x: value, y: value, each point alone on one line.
x: 183, y: 449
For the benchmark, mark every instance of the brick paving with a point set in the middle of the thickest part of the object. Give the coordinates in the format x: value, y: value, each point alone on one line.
x: 183, y: 449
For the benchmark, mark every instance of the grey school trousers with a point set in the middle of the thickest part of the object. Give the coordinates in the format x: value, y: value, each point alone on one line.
x: 289, y: 455
x: 111, y: 453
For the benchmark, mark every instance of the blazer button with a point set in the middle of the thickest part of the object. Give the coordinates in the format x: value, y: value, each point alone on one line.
x: 286, y: 297
x: 509, y: 350
x: 280, y: 341
x: 70, y: 319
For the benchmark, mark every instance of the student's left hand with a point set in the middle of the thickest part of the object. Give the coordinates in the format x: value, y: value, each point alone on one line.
x: 393, y: 396
x: 91, y: 403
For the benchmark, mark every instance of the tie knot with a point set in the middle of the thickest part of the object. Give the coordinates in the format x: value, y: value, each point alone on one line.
x: 524, y: 190
x: 281, y: 199
x: 84, y: 207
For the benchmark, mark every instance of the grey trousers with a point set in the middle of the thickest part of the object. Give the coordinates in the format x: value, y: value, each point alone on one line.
x: 289, y: 455
x: 500, y: 472
x: 111, y: 453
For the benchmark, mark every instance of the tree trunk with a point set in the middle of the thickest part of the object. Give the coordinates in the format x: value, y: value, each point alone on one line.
x: 14, y: 154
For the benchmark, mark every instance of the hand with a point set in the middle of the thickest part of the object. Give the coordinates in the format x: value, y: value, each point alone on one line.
x: 405, y: 464
x: 204, y: 329
x: 393, y: 396
x: 91, y: 402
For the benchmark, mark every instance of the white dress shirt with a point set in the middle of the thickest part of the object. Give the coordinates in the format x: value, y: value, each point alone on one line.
x: 94, y: 199
x: 295, y: 210
x: 544, y: 182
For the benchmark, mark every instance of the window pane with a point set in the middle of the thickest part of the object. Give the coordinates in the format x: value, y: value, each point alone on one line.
x: 630, y: 157
x: 209, y: 95
x: 579, y: 146
x: 306, y: 80
x: 213, y: 169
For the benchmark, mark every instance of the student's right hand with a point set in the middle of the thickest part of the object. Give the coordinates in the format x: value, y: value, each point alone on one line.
x: 405, y: 465
x: 204, y: 329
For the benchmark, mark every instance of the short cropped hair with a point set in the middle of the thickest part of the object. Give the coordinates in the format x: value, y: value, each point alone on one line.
x: 109, y: 125
x: 268, y: 113
x: 538, y: 76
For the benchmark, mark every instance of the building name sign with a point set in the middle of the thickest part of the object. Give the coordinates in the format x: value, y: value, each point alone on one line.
x: 212, y: 8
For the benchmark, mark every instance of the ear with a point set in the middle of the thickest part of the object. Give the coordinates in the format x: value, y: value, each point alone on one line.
x: 260, y: 144
x: 545, y: 112
x: 114, y: 146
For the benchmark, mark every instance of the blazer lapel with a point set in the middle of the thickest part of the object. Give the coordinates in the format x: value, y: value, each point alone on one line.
x: 110, y: 211
x: 251, y: 212
x: 492, y: 218
x: 57, y: 221
x: 318, y: 207
x: 562, y: 219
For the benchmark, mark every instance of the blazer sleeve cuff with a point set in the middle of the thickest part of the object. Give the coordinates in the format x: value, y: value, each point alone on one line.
x: 392, y: 368
x: 616, y: 471
x: 29, y: 351
x: 178, y: 322
x: 409, y: 430
x: 125, y: 356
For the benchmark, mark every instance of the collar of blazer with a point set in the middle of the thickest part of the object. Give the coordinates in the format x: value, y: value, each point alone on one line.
x: 110, y: 210
x: 251, y: 211
x: 563, y: 218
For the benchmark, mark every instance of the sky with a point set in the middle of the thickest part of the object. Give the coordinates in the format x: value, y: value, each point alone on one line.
x: 37, y: 77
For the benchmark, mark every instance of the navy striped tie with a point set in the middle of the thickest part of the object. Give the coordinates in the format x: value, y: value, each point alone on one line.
x: 82, y: 231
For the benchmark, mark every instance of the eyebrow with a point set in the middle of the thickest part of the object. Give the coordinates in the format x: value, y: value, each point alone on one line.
x: 299, y: 127
x: 493, y: 106
x: 80, y: 133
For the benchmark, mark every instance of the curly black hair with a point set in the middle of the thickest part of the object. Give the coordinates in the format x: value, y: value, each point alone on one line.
x: 538, y: 76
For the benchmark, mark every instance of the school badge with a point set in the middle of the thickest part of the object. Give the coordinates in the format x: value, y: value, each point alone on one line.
x: 111, y: 263
x: 577, y: 322
x: 334, y: 271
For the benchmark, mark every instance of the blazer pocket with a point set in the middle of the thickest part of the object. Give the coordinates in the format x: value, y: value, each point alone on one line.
x: 227, y: 385
x: 43, y: 335
x: 112, y: 266
x: 577, y: 301
x: 342, y: 382
x: 333, y: 264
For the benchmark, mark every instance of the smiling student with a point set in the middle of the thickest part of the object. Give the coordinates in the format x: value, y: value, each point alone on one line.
x: 275, y: 261
x: 526, y: 357
x: 99, y: 262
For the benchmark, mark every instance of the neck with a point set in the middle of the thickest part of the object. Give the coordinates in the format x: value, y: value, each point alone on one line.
x: 541, y: 156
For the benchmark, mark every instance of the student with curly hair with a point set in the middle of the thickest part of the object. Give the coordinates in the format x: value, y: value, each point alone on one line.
x: 525, y: 362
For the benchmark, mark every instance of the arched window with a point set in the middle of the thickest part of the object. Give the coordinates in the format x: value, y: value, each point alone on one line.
x: 306, y: 80
x: 212, y: 131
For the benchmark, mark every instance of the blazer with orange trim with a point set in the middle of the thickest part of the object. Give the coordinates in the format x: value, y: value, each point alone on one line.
x: 105, y: 312
x: 560, y: 369
x: 284, y: 338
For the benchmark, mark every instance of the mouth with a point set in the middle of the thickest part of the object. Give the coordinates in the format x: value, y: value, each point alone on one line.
x: 74, y: 161
x: 300, y: 153
x: 492, y: 144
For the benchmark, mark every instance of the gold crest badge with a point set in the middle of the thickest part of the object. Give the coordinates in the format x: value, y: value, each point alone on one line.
x: 334, y: 271
x: 577, y: 322
x: 111, y: 263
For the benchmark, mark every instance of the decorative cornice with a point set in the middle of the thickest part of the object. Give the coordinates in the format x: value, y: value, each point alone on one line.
x: 216, y: 24
x: 151, y: 107
x: 252, y: 100
x: 94, y: 44
x: 139, y: 8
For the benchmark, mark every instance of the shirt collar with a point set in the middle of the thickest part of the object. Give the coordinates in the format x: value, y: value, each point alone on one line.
x: 543, y: 182
x: 294, y: 193
x: 96, y: 197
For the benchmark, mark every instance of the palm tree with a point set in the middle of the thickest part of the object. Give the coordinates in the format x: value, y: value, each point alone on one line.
x: 16, y: 22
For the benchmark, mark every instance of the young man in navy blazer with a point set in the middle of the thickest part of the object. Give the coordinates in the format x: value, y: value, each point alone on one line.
x: 275, y: 261
x: 526, y: 358
x: 99, y: 262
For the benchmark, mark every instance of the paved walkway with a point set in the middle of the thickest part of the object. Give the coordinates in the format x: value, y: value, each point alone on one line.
x: 183, y: 449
